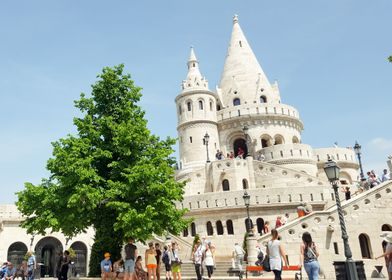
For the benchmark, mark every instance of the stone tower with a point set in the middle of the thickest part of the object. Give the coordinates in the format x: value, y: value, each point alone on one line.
x: 196, y: 111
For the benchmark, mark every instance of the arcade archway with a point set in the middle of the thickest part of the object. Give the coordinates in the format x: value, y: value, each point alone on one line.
x: 240, y: 144
x: 16, y: 253
x: 81, y: 256
x: 47, y: 253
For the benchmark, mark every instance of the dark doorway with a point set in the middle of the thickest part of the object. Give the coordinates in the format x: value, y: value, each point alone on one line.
x: 260, y: 225
x: 240, y: 143
x: 47, y: 250
x: 16, y: 253
x: 80, y: 260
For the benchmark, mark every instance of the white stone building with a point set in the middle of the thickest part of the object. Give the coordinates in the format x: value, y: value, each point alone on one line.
x: 277, y: 170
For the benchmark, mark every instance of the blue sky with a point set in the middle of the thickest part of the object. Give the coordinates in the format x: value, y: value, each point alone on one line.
x: 329, y: 57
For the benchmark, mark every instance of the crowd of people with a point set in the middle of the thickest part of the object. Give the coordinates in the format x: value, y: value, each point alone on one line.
x: 131, y: 267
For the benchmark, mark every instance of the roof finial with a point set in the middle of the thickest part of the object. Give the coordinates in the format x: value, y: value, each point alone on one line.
x: 235, y: 19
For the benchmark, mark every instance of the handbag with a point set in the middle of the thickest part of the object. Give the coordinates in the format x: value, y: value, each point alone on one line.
x: 266, y: 264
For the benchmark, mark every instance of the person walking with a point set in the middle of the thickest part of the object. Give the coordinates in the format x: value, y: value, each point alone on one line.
x: 309, y: 255
x: 387, y: 253
x: 166, y: 261
x: 106, y: 267
x: 209, y: 259
x: 65, y: 265
x: 151, y: 261
x: 130, y: 257
x: 31, y: 265
x: 197, y: 257
x: 276, y: 253
x: 238, y: 256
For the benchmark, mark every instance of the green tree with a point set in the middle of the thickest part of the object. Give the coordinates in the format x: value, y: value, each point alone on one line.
x: 113, y: 175
x: 390, y: 58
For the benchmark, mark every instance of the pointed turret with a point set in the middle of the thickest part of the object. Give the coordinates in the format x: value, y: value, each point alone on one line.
x: 243, y: 79
x: 194, y: 79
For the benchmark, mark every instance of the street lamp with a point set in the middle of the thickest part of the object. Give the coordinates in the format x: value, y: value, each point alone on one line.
x: 357, y: 149
x: 246, y: 198
x: 332, y: 171
x: 206, y: 139
x: 245, y: 129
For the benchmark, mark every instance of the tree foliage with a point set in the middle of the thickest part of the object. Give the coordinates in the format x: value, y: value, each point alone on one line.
x: 114, y: 175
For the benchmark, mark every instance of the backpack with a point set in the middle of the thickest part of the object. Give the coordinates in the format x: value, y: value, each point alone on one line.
x: 165, y: 258
x: 260, y: 256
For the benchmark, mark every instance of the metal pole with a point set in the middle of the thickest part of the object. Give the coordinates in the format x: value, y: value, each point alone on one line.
x: 360, y: 167
x: 208, y: 156
x: 351, y: 268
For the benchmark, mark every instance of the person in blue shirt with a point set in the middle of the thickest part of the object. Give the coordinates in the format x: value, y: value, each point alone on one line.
x: 106, y: 267
x: 10, y: 272
x: 31, y: 265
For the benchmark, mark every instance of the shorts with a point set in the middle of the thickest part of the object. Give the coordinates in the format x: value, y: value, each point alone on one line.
x: 176, y: 267
x: 390, y: 267
x: 151, y: 265
x: 167, y: 266
x: 129, y: 265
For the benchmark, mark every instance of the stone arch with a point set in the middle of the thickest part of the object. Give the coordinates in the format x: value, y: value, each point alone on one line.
x: 200, y: 103
x: 210, y: 229
x: 278, y: 139
x: 260, y: 225
x: 245, y: 184
x: 211, y: 105
x: 81, y: 257
x: 16, y: 253
x: 364, y: 243
x: 225, y: 185
x: 240, y: 147
x: 263, y: 99
x: 266, y: 140
x: 219, y: 227
x: 386, y: 227
x: 295, y: 140
x: 185, y: 232
x: 236, y: 102
x: 229, y: 226
x: 344, y: 176
x: 47, y: 251
x: 193, y: 229
x: 189, y: 105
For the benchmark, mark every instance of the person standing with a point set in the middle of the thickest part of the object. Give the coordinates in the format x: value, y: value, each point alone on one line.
x: 384, y: 176
x: 197, y: 258
x: 388, y: 253
x: 238, y: 255
x: 276, y: 253
x: 31, y: 265
x: 106, y: 267
x: 166, y: 261
x: 59, y: 263
x: 175, y: 261
x: 151, y: 261
x: 130, y: 257
x: 266, y: 228
x: 209, y: 259
x: 158, y: 257
x: 309, y: 255
x: 65, y: 265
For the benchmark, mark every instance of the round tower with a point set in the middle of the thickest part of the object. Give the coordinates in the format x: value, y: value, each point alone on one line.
x: 196, y: 112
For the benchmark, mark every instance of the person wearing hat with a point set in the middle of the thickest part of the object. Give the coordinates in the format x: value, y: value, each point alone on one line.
x: 106, y: 267
x: 388, y: 253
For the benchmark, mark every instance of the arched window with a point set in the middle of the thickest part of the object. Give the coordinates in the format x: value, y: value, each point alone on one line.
x: 211, y: 105
x: 260, y: 225
x: 218, y: 107
x: 210, y: 230
x: 279, y: 139
x: 386, y: 227
x: 219, y: 228
x: 81, y: 257
x: 266, y: 141
x: 236, y: 101
x: 245, y: 184
x: 201, y: 105
x: 189, y: 105
x: 364, y: 244
x: 263, y: 99
x: 179, y: 109
x: 295, y: 140
x: 185, y: 233
x: 225, y: 185
x: 193, y: 229
x: 247, y: 224
x: 229, y: 226
x: 16, y: 253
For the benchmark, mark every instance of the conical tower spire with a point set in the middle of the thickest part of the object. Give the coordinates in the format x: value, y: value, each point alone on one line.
x: 194, y: 79
x: 242, y: 77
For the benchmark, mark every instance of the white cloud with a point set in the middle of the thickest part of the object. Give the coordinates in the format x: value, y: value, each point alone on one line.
x: 381, y: 144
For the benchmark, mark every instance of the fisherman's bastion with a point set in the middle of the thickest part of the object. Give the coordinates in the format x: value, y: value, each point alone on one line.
x: 245, y: 116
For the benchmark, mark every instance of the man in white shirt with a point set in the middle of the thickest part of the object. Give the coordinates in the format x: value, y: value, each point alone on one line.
x: 238, y: 255
x: 384, y: 176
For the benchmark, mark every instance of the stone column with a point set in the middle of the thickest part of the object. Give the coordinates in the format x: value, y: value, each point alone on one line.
x: 252, y: 250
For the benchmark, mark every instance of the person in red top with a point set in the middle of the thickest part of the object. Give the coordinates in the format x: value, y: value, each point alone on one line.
x: 278, y: 222
x: 240, y: 153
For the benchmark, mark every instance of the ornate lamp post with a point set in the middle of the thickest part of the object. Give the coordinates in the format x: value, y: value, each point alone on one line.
x: 246, y: 198
x: 206, y: 139
x: 332, y: 171
x: 357, y: 149
x: 245, y: 129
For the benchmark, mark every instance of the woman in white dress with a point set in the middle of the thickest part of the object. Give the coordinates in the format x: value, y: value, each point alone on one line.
x: 209, y: 259
x: 276, y: 253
